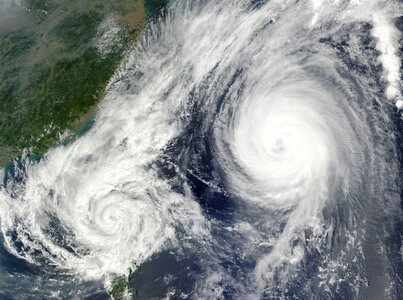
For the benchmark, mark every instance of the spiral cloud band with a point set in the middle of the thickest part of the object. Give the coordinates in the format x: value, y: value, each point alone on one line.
x: 257, y: 139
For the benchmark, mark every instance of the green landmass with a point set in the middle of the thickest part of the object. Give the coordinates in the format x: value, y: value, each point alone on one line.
x: 52, y: 73
x: 120, y: 287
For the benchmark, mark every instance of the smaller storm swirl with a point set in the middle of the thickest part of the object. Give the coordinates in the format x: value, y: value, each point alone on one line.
x: 256, y: 144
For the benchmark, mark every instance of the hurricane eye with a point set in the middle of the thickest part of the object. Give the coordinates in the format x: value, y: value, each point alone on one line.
x: 279, y: 145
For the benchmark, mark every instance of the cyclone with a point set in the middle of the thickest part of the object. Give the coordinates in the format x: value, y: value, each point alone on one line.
x: 256, y: 142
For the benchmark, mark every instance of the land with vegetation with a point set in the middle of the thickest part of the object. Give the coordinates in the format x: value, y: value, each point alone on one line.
x: 55, y: 62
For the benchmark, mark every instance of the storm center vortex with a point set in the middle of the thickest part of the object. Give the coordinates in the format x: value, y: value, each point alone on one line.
x: 287, y: 143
